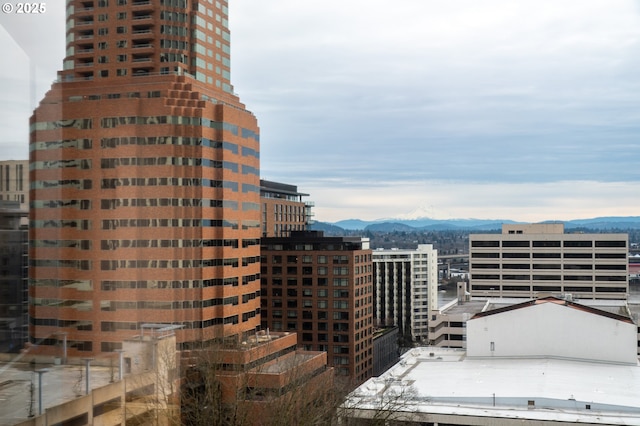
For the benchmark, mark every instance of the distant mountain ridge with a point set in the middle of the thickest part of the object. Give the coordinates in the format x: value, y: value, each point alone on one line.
x: 426, y: 224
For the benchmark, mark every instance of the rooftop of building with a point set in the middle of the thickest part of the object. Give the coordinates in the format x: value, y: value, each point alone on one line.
x: 319, y: 241
x: 277, y: 187
x: 555, y: 230
x: 492, y: 309
x: 476, y: 305
x: 438, y: 380
x: 395, y: 250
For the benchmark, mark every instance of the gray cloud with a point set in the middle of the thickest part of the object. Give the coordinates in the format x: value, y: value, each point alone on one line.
x: 525, y: 91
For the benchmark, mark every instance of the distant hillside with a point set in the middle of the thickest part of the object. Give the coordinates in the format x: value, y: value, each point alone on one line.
x: 327, y: 227
x: 388, y: 225
x: 477, y: 225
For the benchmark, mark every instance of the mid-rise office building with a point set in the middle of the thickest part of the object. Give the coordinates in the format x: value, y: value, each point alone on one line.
x: 14, y: 181
x: 530, y: 260
x: 406, y: 289
x: 322, y: 288
x: 283, y: 209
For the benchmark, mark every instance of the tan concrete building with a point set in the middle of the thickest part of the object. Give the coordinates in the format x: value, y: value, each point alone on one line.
x: 14, y: 181
x: 531, y: 260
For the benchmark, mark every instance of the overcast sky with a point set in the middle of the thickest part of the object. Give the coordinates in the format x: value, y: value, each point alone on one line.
x: 526, y: 110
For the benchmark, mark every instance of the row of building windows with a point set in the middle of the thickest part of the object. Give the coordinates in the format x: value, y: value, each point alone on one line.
x: 60, y: 144
x: 293, y: 292
x: 82, y: 164
x: 113, y: 122
x: 115, y: 203
x: 81, y: 285
x: 174, y: 182
x: 339, y: 259
x: 111, y: 305
x: 72, y: 123
x: 113, y: 265
x: 320, y: 270
x: 150, y: 223
x: 114, y: 183
x: 78, y: 244
x: 79, y: 305
x: 171, y: 3
x: 293, y: 314
x: 116, y: 244
x: 115, y: 305
x: 549, y: 277
x: 62, y: 184
x: 112, y: 285
x: 82, y: 265
x: 112, y: 163
x: 319, y: 281
x: 566, y: 266
x: 82, y: 325
x: 110, y: 204
x: 546, y: 288
x: 550, y: 244
x: 174, y: 140
x: 308, y: 303
x: 547, y: 255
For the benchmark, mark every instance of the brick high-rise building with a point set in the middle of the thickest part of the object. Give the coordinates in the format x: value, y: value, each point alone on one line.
x: 322, y: 288
x: 145, y: 189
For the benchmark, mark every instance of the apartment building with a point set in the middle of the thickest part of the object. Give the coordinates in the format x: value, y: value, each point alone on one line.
x: 405, y: 289
x: 283, y: 209
x: 14, y: 181
x: 535, y: 259
x: 322, y: 288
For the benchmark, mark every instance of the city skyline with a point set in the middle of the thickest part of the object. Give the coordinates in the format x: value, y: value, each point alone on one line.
x: 524, y: 111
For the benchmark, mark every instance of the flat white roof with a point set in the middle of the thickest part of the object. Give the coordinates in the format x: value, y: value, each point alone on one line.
x: 444, y: 381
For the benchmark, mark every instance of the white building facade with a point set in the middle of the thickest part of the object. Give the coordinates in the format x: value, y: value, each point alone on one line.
x: 405, y: 289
